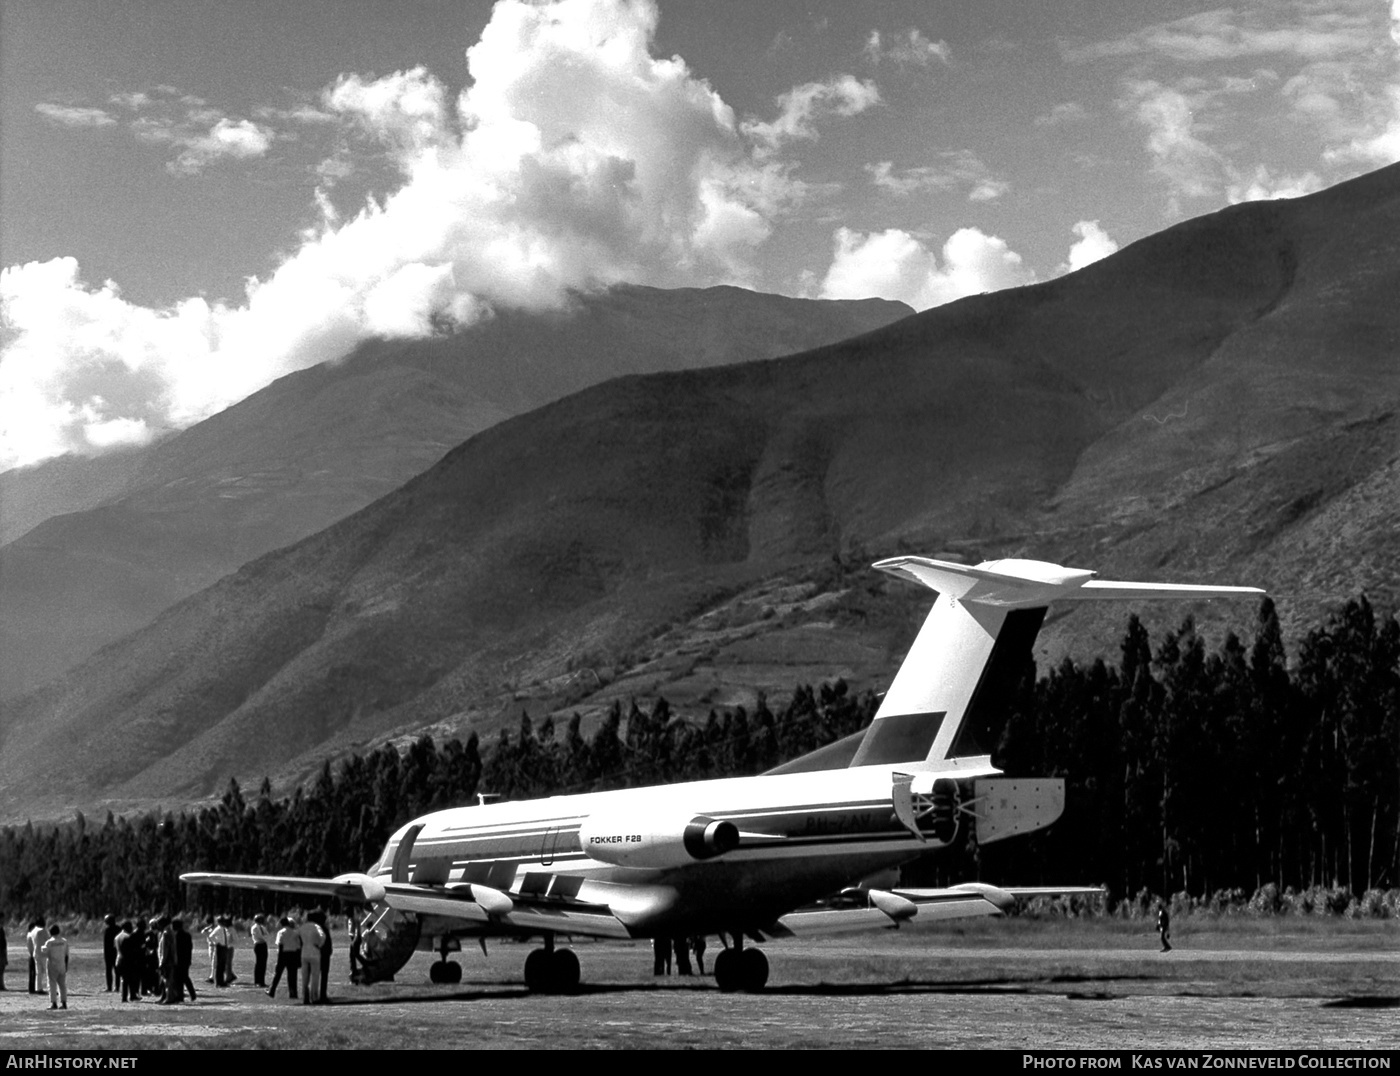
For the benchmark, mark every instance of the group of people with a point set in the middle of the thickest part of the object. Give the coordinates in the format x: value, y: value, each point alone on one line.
x: 662, y: 948
x: 152, y: 958
x: 149, y: 958
x: 303, y: 951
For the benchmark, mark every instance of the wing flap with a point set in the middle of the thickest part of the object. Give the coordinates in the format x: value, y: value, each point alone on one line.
x: 528, y: 912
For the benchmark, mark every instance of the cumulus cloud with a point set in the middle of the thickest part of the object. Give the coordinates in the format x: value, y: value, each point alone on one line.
x: 238, y: 140
x: 910, y: 48
x: 75, y: 115
x: 894, y: 264
x: 802, y: 106
x: 574, y: 159
x: 1093, y: 243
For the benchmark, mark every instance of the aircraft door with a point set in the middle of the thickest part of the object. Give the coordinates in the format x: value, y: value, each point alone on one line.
x: 404, y: 853
x: 548, y: 846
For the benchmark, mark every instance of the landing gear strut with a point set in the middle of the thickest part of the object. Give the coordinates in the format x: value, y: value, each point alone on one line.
x: 444, y: 970
x: 550, y: 970
x: 741, y: 969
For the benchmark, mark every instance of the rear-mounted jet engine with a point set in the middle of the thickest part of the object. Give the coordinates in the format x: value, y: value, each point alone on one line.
x: 624, y: 840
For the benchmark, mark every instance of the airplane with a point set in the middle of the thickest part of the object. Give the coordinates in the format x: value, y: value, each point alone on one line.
x: 811, y: 847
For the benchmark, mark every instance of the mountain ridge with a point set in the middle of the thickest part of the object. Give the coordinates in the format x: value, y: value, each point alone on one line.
x: 683, y: 530
x: 139, y: 531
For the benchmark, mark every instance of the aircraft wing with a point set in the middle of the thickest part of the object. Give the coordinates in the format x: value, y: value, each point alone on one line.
x: 352, y: 887
x: 474, y: 904
x: 864, y: 909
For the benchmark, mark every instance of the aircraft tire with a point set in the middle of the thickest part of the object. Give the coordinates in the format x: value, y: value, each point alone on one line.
x: 435, y: 971
x: 452, y: 972
x: 537, y: 977
x: 565, y: 971
x: 727, y: 971
x: 753, y: 970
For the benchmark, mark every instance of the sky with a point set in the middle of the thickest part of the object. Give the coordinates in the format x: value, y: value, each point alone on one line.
x: 198, y: 197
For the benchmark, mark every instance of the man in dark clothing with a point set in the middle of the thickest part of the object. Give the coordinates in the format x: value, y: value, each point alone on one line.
x: 4, y: 951
x: 357, y: 942
x: 1164, y: 926
x: 129, y: 949
x: 109, y: 949
x: 184, y: 958
x: 682, y: 947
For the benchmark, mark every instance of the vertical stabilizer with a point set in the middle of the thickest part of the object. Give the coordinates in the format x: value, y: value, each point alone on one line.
x: 981, y: 628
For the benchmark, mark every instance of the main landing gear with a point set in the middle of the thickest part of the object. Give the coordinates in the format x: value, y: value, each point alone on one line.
x: 741, y: 969
x: 444, y: 970
x: 550, y: 970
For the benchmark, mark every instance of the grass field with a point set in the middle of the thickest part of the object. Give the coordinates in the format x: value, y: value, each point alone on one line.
x: 1282, y: 982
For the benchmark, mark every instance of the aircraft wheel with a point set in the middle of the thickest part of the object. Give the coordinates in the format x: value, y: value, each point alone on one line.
x: 452, y: 972
x: 727, y: 970
x: 753, y: 970
x: 565, y: 971
x: 537, y: 969
x: 436, y: 971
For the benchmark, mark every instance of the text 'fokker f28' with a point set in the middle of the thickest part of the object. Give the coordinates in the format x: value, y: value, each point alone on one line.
x: 750, y: 857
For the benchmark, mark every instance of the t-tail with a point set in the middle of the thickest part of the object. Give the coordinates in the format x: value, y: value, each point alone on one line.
x: 962, y: 666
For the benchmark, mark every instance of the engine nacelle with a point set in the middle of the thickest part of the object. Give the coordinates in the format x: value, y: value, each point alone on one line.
x: 629, y: 841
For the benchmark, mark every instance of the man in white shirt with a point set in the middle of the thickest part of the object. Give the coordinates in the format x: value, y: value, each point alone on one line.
x: 55, y: 952
x: 288, y: 958
x: 260, y: 936
x: 38, y: 982
x: 312, y: 939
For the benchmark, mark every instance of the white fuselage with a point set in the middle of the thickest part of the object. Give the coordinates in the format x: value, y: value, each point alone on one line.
x: 802, y: 836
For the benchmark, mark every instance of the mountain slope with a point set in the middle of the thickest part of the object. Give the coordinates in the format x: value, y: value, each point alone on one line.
x: 129, y: 535
x: 682, y: 528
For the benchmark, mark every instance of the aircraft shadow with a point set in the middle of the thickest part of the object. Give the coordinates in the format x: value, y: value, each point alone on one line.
x: 992, y: 986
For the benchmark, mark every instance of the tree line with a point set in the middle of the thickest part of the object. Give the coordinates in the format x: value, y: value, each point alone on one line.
x: 1187, y: 771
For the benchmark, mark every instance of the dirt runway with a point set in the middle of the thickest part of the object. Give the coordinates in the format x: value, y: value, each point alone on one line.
x: 1088, y: 991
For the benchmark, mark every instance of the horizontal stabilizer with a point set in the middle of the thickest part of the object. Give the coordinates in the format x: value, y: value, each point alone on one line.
x: 1014, y: 583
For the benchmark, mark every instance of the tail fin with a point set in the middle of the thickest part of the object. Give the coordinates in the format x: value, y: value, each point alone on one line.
x: 982, y: 625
